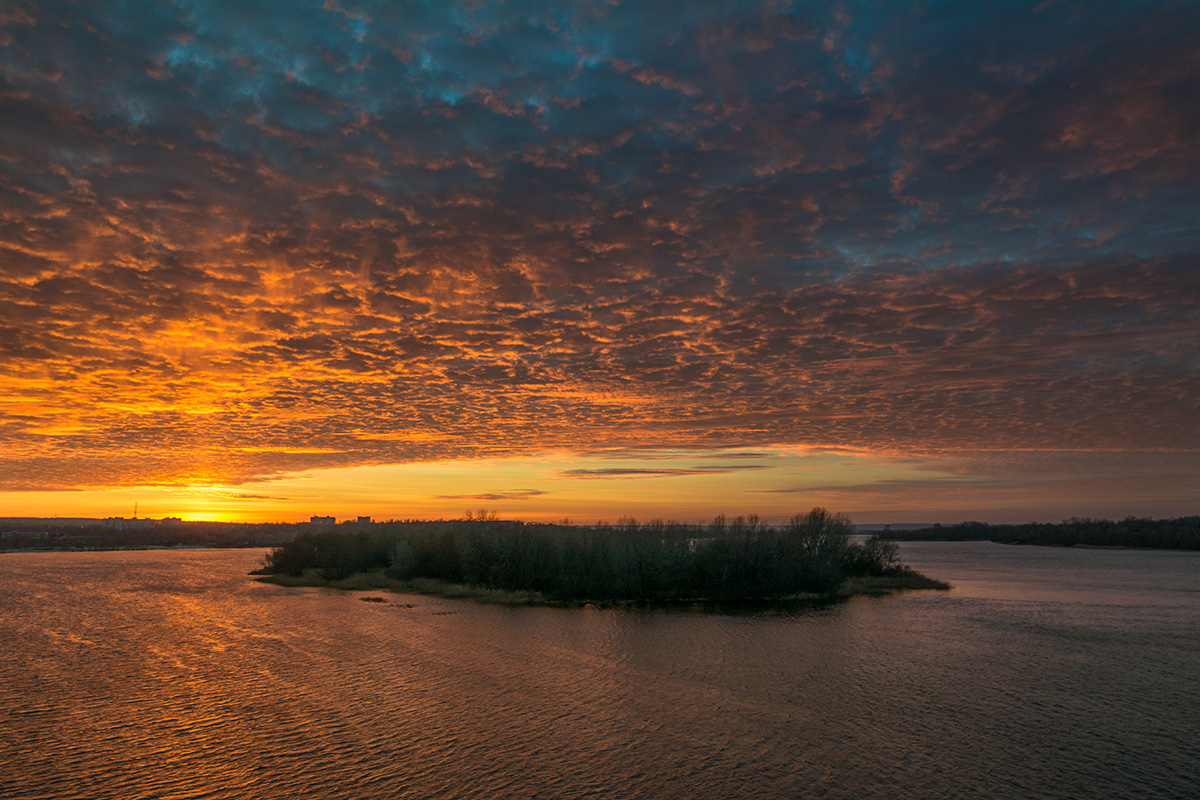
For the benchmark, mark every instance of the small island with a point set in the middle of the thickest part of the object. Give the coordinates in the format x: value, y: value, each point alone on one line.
x: 810, y: 558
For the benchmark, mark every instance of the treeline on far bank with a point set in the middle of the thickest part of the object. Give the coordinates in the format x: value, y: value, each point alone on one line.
x: 1180, y: 533
x: 123, y: 534
x: 653, y: 562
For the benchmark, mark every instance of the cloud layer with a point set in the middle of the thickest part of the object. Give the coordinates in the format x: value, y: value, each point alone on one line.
x: 244, y: 239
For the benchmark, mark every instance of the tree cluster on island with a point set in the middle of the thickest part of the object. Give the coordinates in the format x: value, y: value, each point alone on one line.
x: 739, y: 560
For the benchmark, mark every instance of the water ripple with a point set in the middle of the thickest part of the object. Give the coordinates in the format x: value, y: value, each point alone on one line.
x: 173, y: 675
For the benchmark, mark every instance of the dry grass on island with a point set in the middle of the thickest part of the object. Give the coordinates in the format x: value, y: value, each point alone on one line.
x: 811, y: 558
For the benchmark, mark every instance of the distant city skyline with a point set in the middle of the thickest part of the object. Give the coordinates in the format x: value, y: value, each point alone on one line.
x: 911, y: 263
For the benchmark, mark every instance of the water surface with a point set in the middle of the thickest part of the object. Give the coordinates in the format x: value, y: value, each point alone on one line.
x: 1045, y: 673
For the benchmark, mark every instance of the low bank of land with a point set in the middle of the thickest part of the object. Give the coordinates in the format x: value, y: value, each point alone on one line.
x: 1179, y: 533
x: 873, y: 586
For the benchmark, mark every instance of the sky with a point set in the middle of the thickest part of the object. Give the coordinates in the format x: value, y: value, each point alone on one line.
x: 926, y: 261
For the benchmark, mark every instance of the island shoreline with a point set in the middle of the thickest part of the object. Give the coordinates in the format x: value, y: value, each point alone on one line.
x: 858, y: 586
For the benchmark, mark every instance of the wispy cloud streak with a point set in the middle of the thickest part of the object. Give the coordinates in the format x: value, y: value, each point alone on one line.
x: 642, y: 472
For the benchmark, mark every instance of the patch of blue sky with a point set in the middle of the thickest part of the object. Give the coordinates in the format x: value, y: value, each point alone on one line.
x: 859, y: 66
x: 857, y: 257
x: 452, y: 80
x: 358, y: 26
x: 449, y: 96
x: 133, y: 110
x: 190, y: 54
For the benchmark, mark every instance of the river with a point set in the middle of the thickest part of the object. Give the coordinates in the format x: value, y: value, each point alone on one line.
x: 1044, y: 673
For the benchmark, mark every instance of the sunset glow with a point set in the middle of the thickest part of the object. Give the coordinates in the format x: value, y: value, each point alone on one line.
x: 590, y: 260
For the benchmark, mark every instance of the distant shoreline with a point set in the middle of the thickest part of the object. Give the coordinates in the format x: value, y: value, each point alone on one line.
x: 1135, y: 547
x: 1131, y: 533
x: 134, y: 548
x: 901, y: 539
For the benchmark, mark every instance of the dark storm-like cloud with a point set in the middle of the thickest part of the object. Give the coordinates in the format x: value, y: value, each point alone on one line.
x: 249, y: 496
x: 521, y: 494
x: 887, y: 486
x: 272, y: 237
x: 632, y: 472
